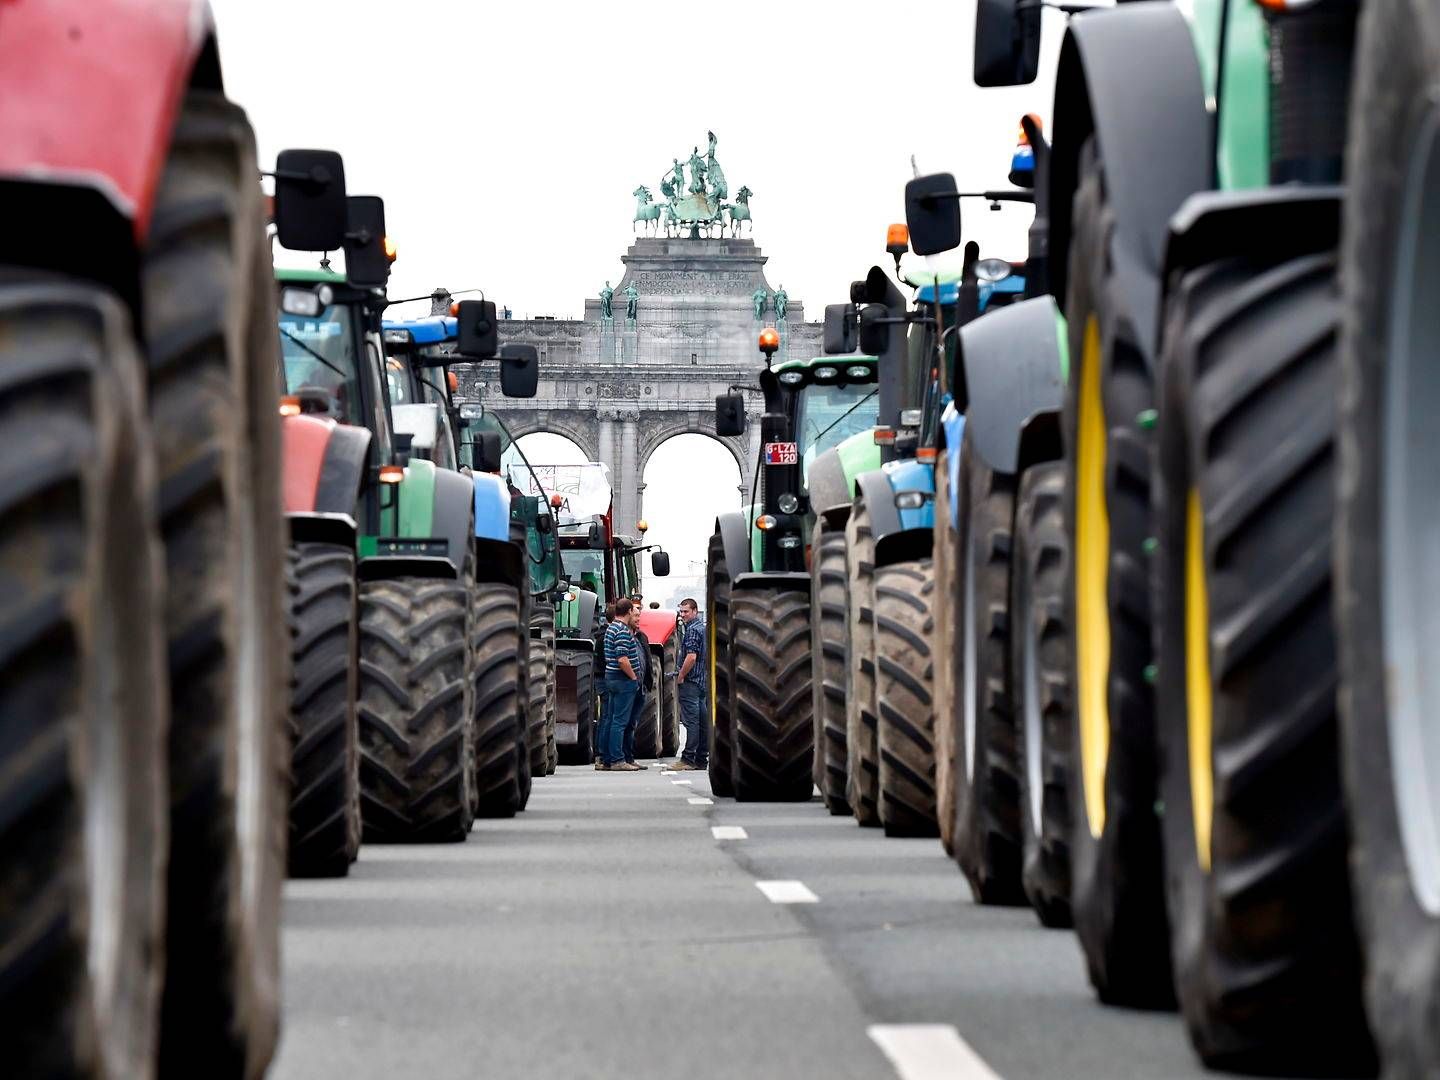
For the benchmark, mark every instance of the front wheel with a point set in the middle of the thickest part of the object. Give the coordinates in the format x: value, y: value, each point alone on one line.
x: 862, y: 766
x: 773, y: 747
x: 904, y: 678
x: 829, y: 645
x: 722, y: 669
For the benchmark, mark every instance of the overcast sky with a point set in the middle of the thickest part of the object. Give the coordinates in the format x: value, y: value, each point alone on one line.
x: 507, y: 138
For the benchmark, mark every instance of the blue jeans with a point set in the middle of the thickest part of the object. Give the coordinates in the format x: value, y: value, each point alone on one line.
x: 634, y: 722
x: 693, y: 702
x: 619, y: 706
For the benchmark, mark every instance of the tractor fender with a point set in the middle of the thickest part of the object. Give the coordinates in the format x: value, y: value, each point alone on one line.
x: 1295, y: 220
x: 735, y: 538
x: 499, y: 561
x: 829, y: 490
x: 492, y: 506
x: 322, y: 464
x: 952, y: 434
x: 793, y: 580
x: 1041, y: 439
x: 450, y: 518
x: 658, y: 626
x: 1154, y: 146
x: 879, y: 497
x: 390, y: 567
x: 109, y: 131
x: 915, y: 539
x: 1013, y: 366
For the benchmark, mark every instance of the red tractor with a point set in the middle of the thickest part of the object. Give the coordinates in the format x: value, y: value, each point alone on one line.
x: 143, y: 685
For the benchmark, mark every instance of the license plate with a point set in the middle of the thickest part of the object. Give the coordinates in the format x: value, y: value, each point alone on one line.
x: 781, y: 453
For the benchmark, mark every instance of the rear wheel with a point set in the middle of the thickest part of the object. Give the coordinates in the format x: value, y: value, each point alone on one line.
x: 1387, y: 522
x: 828, y: 647
x: 500, y: 674
x: 575, y: 675
x: 416, y: 713
x: 1117, y: 895
x: 862, y: 765
x: 669, y: 702
x: 904, y: 676
x: 325, y: 755
x: 209, y: 321
x: 987, y: 834
x: 717, y: 625
x: 773, y: 734
x: 947, y: 681
x: 1266, y: 964
x: 1040, y: 689
x: 82, y: 691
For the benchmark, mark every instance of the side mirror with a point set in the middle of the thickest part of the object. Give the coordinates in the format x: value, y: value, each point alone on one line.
x: 477, y: 335
x: 1007, y: 43
x: 487, y: 452
x: 660, y: 564
x: 932, y: 211
x: 730, y: 414
x: 544, y: 524
x: 403, y: 442
x: 874, y: 335
x: 366, y: 264
x: 310, y: 200
x: 519, y: 370
x: 597, y: 537
x: 839, y: 329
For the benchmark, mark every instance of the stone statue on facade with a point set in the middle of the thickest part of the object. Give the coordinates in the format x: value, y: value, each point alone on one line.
x: 718, y: 187
x: 700, y: 204
x: 697, y: 173
x: 645, y: 210
x: 740, y: 211
x: 782, y: 301
x: 606, y: 295
x: 632, y: 303
x: 758, y: 298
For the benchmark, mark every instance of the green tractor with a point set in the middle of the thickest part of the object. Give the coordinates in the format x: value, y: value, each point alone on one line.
x: 758, y: 596
x: 1251, y: 761
x: 599, y: 568
x: 509, y: 683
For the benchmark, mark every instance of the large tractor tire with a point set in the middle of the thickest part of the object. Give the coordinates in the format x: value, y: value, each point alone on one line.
x: 722, y: 668
x: 82, y: 691
x: 209, y: 321
x: 416, y: 711
x: 536, y: 726
x: 325, y: 750
x: 647, y: 727
x: 904, y: 680
x: 579, y: 665
x: 669, y: 698
x: 862, y: 765
x: 1040, y: 689
x: 828, y: 647
x: 987, y: 781
x: 946, y: 651
x: 539, y: 670
x: 1387, y: 524
x: 504, y: 758
x: 1267, y: 968
x: 542, y: 663
x: 773, y: 734
x: 1117, y: 895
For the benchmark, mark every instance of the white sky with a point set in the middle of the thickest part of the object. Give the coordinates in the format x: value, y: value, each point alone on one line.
x: 506, y: 139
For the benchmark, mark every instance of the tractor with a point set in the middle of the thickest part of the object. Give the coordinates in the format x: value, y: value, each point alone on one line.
x: 600, y: 567
x: 758, y: 585
x: 1251, y: 775
x: 143, y: 681
x: 420, y: 352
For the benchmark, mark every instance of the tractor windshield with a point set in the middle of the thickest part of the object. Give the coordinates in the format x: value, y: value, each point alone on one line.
x: 827, y: 415
x: 585, y: 568
x: 322, y: 352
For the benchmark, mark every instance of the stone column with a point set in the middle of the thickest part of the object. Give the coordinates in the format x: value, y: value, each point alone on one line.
x: 605, y: 444
x: 626, y: 478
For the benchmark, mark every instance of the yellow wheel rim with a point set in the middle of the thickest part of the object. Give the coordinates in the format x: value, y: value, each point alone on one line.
x: 1197, y: 679
x: 1092, y: 572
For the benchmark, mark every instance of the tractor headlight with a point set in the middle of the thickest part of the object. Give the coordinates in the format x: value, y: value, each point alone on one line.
x: 992, y: 270
x: 302, y: 302
x: 825, y: 374
x: 788, y: 502
x: 791, y: 378
x: 789, y: 540
x: 910, y: 500
x: 859, y: 373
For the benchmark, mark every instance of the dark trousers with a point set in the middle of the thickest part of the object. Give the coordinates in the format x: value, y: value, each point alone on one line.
x: 620, y: 696
x: 693, y: 707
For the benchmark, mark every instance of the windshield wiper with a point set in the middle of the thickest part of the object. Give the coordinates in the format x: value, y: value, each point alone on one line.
x: 312, y: 352
x: 843, y: 415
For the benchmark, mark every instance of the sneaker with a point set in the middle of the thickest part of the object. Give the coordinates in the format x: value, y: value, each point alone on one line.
x: 600, y: 766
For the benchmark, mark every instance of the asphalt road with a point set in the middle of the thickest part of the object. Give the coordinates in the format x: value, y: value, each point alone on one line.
x: 607, y: 932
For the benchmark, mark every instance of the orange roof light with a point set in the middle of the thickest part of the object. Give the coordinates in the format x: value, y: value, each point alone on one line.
x: 769, y: 340
x: 390, y: 250
x: 289, y: 405
x: 392, y: 474
x: 643, y: 525
x: 897, y: 236
x: 453, y: 381
x: 455, y: 309
x: 556, y: 501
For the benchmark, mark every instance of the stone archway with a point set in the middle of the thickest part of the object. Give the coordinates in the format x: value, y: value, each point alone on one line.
x: 663, y: 429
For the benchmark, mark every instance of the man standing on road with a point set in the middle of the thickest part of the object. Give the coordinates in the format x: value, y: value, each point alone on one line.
x: 642, y: 683
x: 693, y: 696
x: 622, y: 671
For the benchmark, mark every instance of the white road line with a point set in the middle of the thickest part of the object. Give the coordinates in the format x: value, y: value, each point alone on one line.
x: 697, y: 800
x: 728, y: 832
x: 687, y: 783
x: 787, y: 892
x: 929, y: 1052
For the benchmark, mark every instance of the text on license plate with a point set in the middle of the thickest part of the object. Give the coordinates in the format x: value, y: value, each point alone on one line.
x: 781, y: 453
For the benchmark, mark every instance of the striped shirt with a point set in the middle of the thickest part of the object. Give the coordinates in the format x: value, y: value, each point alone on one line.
x: 620, y: 641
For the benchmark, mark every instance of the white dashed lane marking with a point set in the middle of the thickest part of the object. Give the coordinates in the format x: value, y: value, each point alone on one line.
x: 787, y: 892
x: 929, y: 1052
x: 687, y: 783
x: 728, y: 832
x: 697, y: 800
